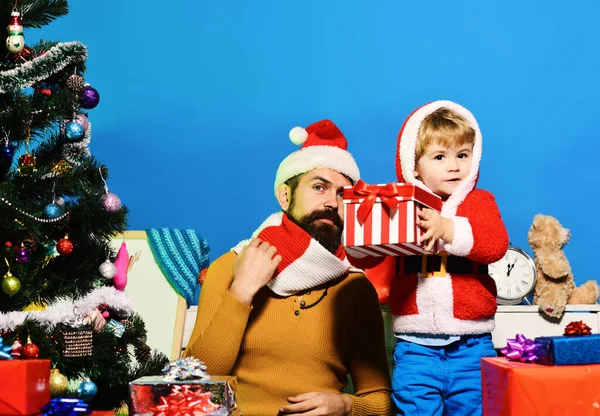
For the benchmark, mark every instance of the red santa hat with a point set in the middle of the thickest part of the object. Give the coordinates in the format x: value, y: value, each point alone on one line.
x: 323, y: 147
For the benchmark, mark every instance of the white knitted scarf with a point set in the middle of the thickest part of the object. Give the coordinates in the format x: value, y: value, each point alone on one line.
x: 305, y: 262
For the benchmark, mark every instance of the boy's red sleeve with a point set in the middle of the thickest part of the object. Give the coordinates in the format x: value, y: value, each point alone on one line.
x: 479, y: 232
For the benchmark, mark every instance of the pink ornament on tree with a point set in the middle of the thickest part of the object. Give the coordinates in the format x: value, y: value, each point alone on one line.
x: 121, y: 263
x: 83, y: 121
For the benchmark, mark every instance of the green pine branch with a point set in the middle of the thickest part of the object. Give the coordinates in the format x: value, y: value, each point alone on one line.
x: 35, y: 13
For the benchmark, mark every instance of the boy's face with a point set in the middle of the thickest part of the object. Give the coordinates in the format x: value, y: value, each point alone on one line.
x: 442, y: 169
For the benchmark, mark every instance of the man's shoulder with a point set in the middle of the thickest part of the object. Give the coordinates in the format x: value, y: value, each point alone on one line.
x: 358, y: 283
x: 223, y: 264
x: 228, y: 257
x: 357, y: 275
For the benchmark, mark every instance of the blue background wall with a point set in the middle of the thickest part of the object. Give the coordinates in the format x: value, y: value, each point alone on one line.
x: 197, y: 99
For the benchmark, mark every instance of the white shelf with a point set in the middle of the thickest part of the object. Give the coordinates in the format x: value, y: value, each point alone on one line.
x: 510, y: 320
x: 535, y: 308
x: 529, y: 321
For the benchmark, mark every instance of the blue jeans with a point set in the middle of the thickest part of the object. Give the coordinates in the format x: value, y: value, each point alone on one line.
x: 444, y: 380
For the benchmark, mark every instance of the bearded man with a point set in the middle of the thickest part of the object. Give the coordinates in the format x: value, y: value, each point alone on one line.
x: 285, y: 312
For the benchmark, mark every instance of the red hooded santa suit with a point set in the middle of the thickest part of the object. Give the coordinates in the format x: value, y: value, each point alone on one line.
x: 453, y: 304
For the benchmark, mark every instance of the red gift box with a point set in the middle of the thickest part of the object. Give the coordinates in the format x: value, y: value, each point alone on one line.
x: 24, y: 386
x: 380, y: 220
x: 513, y: 388
x: 158, y: 396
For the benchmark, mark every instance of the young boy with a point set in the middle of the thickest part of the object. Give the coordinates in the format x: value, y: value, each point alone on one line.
x: 443, y: 310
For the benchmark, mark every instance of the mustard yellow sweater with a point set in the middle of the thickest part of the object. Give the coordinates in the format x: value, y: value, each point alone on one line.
x: 278, y: 350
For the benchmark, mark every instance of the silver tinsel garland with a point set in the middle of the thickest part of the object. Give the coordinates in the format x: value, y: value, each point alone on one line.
x: 70, y: 310
x: 57, y: 58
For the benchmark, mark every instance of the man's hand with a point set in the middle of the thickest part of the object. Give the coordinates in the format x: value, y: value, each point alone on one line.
x: 435, y: 227
x: 313, y: 404
x: 253, y: 269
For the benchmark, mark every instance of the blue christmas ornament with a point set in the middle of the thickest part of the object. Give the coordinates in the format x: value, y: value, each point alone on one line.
x: 74, y: 131
x: 52, y: 211
x: 87, y: 390
x: 5, y: 351
x: 8, y: 151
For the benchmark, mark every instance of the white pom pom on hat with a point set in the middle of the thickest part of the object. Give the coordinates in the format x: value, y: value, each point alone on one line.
x: 298, y: 135
x: 323, y: 147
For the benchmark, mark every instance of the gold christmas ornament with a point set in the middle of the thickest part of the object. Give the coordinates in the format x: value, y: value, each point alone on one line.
x: 62, y: 166
x: 10, y: 284
x: 58, y: 383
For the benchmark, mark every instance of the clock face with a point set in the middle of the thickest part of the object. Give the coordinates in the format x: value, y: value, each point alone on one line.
x: 514, y: 275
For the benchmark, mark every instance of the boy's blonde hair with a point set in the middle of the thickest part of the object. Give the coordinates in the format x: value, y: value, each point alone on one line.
x: 443, y: 127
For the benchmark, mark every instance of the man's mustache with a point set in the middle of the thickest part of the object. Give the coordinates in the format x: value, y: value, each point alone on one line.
x: 324, y: 215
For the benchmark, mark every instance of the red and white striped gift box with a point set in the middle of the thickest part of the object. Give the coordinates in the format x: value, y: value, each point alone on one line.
x: 380, y: 220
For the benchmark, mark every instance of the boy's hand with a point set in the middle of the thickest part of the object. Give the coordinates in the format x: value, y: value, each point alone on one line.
x: 435, y: 227
x: 253, y: 269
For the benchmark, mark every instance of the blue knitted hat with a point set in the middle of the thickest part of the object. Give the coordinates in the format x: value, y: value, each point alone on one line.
x: 180, y: 254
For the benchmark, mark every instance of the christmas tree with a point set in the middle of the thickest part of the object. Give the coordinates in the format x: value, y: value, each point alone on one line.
x: 57, y: 217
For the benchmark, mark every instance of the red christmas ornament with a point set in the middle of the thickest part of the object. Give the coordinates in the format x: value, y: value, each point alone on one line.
x: 8, y: 244
x: 27, y: 164
x: 103, y: 308
x: 65, y: 246
x: 44, y: 91
x: 30, y: 350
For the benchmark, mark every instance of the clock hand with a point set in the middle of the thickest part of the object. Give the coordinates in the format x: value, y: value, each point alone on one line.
x: 510, y: 267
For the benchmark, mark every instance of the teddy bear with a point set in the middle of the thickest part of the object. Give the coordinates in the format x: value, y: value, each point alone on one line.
x: 555, y: 285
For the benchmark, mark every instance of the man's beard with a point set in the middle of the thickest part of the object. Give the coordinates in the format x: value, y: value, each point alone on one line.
x: 328, y: 235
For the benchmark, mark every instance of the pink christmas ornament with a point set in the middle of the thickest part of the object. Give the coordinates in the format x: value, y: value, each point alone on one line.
x: 121, y: 263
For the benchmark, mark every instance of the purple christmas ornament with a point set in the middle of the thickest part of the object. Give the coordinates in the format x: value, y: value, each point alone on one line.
x: 22, y: 255
x: 110, y: 202
x: 89, y: 97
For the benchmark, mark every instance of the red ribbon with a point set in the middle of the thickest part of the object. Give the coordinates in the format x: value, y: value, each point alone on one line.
x: 577, y: 328
x: 387, y: 194
x: 184, y: 401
